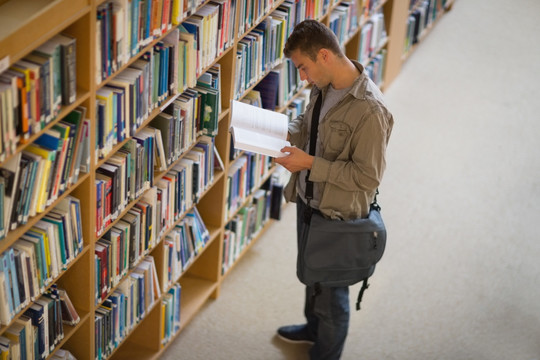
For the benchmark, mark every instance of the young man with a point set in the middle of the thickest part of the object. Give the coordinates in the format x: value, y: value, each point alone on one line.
x: 346, y: 169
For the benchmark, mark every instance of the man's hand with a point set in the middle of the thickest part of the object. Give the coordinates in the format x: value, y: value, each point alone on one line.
x: 297, y: 159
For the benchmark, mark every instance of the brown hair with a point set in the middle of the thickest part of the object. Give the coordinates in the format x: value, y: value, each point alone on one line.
x: 309, y: 37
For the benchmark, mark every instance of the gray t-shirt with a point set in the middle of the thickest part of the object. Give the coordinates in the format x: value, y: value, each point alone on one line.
x: 331, y: 98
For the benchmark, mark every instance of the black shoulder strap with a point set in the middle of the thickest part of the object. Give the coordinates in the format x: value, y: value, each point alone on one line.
x: 365, y: 285
x: 313, y: 142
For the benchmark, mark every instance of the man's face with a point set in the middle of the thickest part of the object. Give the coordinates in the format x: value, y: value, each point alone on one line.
x: 312, y: 71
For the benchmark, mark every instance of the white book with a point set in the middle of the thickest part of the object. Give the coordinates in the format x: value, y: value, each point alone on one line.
x: 258, y: 130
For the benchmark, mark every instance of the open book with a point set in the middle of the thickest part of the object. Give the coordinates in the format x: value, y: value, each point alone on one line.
x: 258, y: 130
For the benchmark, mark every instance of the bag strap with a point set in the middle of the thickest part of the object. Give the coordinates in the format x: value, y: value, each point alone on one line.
x: 313, y: 143
x: 365, y: 285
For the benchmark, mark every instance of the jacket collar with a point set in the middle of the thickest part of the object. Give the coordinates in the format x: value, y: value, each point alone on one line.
x: 358, y: 89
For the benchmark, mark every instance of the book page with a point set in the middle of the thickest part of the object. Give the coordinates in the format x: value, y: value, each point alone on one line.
x: 258, y: 120
x: 259, y: 143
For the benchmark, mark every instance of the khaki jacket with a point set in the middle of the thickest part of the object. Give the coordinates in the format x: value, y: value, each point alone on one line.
x: 354, y: 135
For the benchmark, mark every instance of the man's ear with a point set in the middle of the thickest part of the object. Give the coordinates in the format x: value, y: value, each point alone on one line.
x: 325, y: 54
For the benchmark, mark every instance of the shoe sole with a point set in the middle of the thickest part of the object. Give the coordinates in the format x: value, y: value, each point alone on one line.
x: 290, y: 341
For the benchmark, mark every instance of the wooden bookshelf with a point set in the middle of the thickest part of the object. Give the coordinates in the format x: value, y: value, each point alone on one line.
x: 24, y: 26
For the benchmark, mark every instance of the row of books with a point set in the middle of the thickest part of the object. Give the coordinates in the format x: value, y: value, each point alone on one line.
x: 124, y: 177
x: 39, y: 256
x: 125, y: 27
x: 440, y: 4
x: 33, y: 179
x: 184, y: 183
x: 125, y: 307
x: 344, y: 20
x: 298, y: 105
x: 213, y: 27
x: 244, y: 226
x: 128, y: 99
x: 424, y: 14
x: 372, y: 37
x: 36, y: 333
x: 369, y: 7
x: 123, y: 246
x: 277, y: 88
x: 251, y: 12
x: 375, y: 67
x: 170, y: 312
x: 181, y: 245
x: 245, y: 175
x: 260, y: 52
x: 158, y: 209
x: 33, y: 90
x: 314, y: 9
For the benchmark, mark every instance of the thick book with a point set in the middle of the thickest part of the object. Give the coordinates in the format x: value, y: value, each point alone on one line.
x: 258, y: 130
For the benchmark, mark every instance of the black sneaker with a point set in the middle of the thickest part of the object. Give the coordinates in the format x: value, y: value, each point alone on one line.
x: 295, y: 334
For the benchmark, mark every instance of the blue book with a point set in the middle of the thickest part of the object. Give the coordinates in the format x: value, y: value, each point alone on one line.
x: 148, y: 31
x: 14, y: 282
x: 135, y: 27
x: 48, y: 141
x: 36, y: 313
x: 4, y: 267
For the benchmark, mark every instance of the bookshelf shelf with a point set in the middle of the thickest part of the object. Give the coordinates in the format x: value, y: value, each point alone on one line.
x: 27, y: 25
x: 18, y: 32
x: 195, y: 293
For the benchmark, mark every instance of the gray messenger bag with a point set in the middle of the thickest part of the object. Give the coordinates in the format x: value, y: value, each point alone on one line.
x: 340, y: 253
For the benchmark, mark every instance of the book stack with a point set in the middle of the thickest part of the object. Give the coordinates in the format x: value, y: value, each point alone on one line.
x: 33, y: 90
x: 29, y: 266
x: 170, y: 311
x: 181, y: 245
x: 251, y: 12
x: 125, y: 27
x: 422, y: 15
x: 212, y: 28
x: 125, y: 307
x: 124, y: 177
x: 259, y: 51
x: 370, y: 6
x: 344, y: 20
x: 244, y: 227
x: 123, y: 246
x: 298, y: 105
x: 35, y: 334
x: 314, y: 9
x: 375, y: 67
x: 34, y: 178
x: 245, y: 174
x: 195, y: 112
x: 127, y: 100
x: 372, y: 38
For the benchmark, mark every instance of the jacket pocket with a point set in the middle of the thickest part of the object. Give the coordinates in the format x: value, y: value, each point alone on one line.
x: 339, y: 133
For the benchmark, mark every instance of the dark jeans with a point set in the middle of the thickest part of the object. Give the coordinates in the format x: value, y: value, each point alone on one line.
x: 327, y: 313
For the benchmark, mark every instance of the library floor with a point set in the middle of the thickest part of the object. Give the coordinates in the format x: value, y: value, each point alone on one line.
x: 461, y: 200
